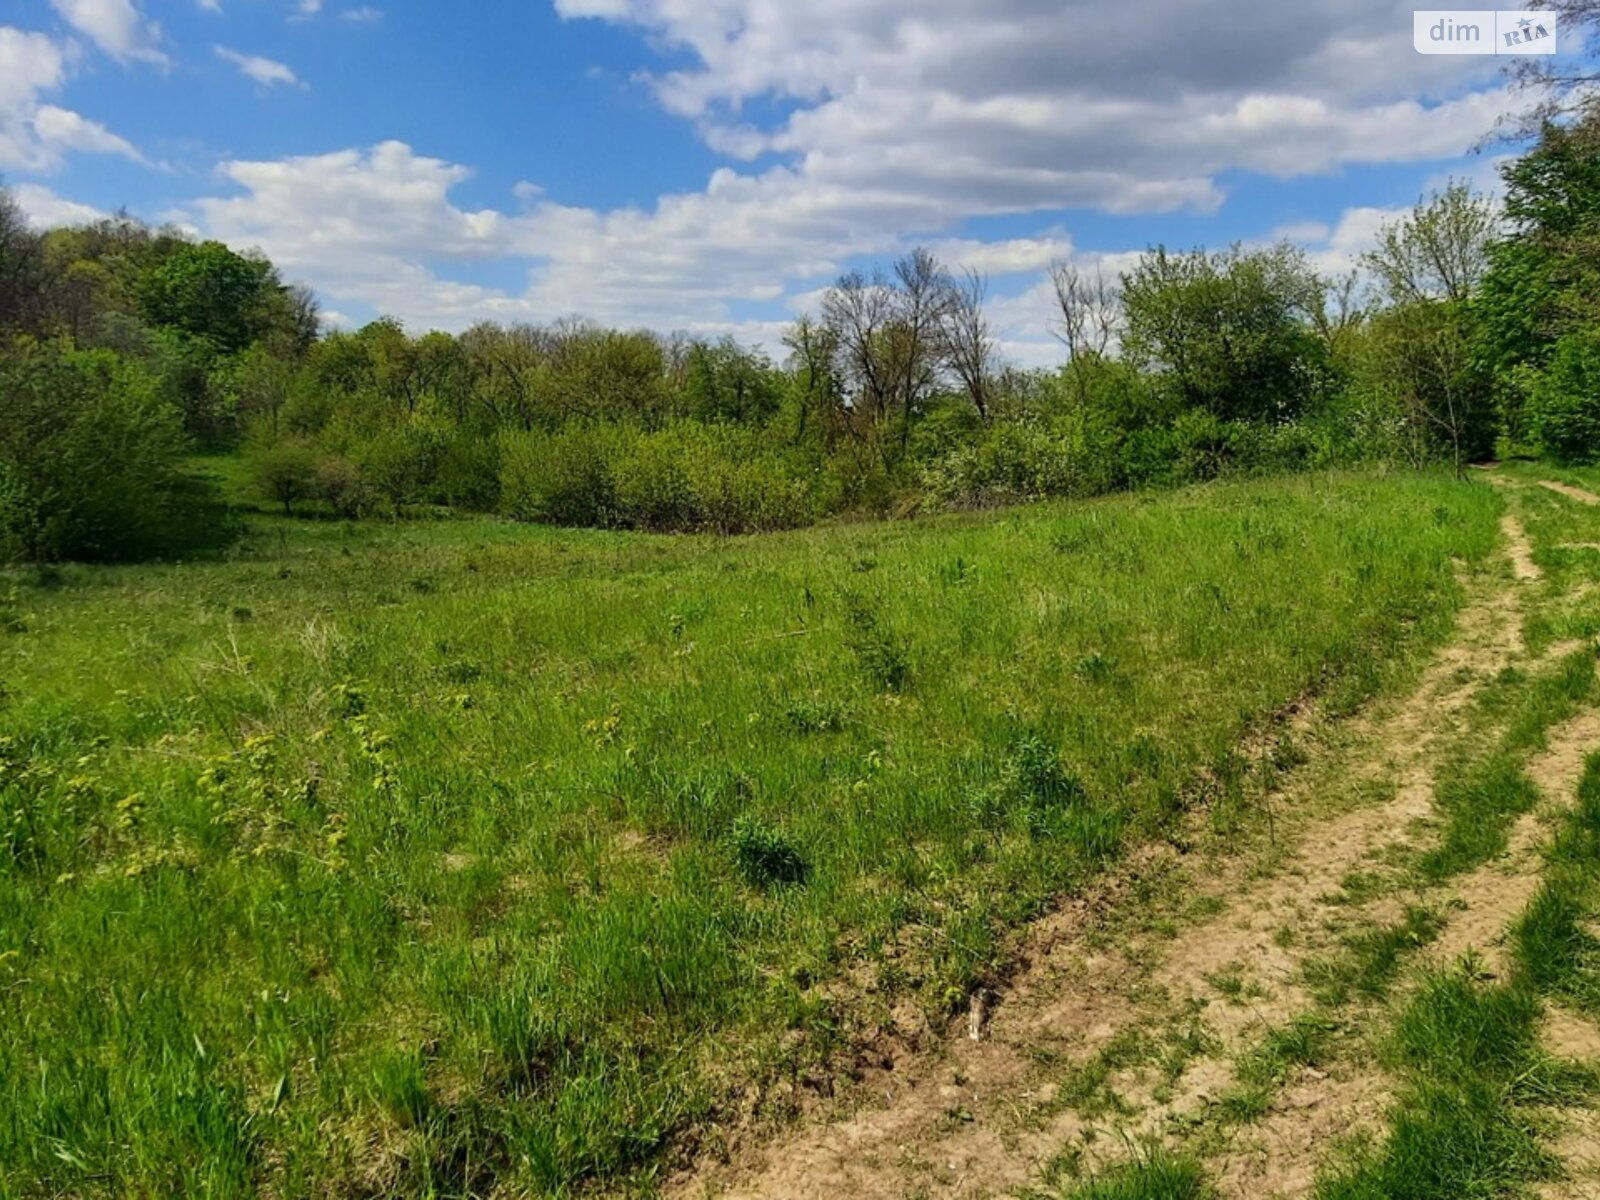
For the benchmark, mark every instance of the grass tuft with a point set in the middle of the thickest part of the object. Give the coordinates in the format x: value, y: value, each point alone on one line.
x: 1155, y: 1175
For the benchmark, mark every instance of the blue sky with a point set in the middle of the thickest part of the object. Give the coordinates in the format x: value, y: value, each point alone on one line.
x: 710, y: 164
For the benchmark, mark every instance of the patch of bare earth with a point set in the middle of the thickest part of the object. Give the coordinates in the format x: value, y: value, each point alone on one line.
x: 1570, y: 492
x: 982, y: 1117
x: 1577, y: 1142
x: 1520, y: 549
x: 1280, y: 1155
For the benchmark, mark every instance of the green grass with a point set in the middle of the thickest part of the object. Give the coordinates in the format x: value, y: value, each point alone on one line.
x: 1468, y: 1121
x: 1479, y: 804
x: 1369, y: 960
x: 1156, y: 1175
x: 436, y: 858
x: 1554, y: 940
x: 1460, y: 1130
x: 1260, y: 1073
x: 1480, y: 796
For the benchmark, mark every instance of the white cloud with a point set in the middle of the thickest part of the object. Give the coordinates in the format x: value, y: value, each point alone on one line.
x: 898, y: 124
x: 265, y: 71
x: 36, y: 136
x: 63, y: 129
x: 44, y: 209
x: 117, y: 27
x: 364, y: 14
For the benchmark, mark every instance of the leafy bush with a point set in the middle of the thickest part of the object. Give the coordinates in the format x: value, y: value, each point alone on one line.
x: 402, y: 462
x: 468, y: 474
x: 563, y: 478
x: 284, y: 472
x: 687, y: 476
x: 1564, y: 400
x: 90, y: 461
x: 1011, y: 463
x: 764, y: 856
x: 340, y: 485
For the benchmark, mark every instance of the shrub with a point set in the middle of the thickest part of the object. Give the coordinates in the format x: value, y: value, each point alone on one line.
x: 90, y: 461
x: 1011, y: 462
x: 468, y: 475
x: 402, y: 464
x: 763, y: 855
x: 563, y: 478
x: 284, y: 472
x: 1564, y: 400
x: 340, y: 485
x: 687, y: 476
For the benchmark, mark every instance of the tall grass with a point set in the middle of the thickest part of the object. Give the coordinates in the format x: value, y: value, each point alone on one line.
x: 426, y: 859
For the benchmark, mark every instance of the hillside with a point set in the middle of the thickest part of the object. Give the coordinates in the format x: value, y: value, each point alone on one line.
x: 462, y: 857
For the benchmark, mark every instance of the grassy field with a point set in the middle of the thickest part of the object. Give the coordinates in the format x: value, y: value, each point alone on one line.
x: 443, y: 857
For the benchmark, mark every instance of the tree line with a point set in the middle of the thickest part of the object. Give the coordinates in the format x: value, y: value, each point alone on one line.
x: 1469, y: 330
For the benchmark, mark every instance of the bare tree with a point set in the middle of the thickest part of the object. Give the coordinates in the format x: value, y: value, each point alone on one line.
x: 966, y: 343
x: 920, y: 301
x: 1559, y: 86
x: 858, y: 311
x: 1090, y: 319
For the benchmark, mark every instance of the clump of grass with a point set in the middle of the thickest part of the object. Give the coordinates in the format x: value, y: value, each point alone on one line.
x: 1456, y: 1030
x: 1156, y: 1174
x: 883, y: 653
x: 1553, y: 698
x: 815, y: 716
x: 1554, y: 944
x: 401, y: 1089
x: 1470, y: 1052
x: 1259, y: 1074
x: 765, y: 857
x: 1039, y: 783
x: 1087, y: 1089
x: 1371, y: 958
x: 1479, y: 802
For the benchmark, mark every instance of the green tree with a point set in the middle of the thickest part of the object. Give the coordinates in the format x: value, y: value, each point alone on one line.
x: 24, y: 271
x: 207, y: 291
x: 1430, y: 266
x: 1227, y: 331
x: 90, y: 459
x: 725, y: 382
x: 1564, y: 400
x: 1543, y: 280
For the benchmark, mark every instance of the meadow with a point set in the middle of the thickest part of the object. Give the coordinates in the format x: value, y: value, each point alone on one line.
x: 451, y: 857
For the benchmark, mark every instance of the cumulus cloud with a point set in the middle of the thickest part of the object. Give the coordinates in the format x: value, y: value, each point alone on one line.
x: 116, y: 27
x: 895, y: 124
x: 44, y: 209
x: 265, y: 71
x: 34, y: 135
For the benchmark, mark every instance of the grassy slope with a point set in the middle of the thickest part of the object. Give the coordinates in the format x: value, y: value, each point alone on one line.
x: 402, y: 856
